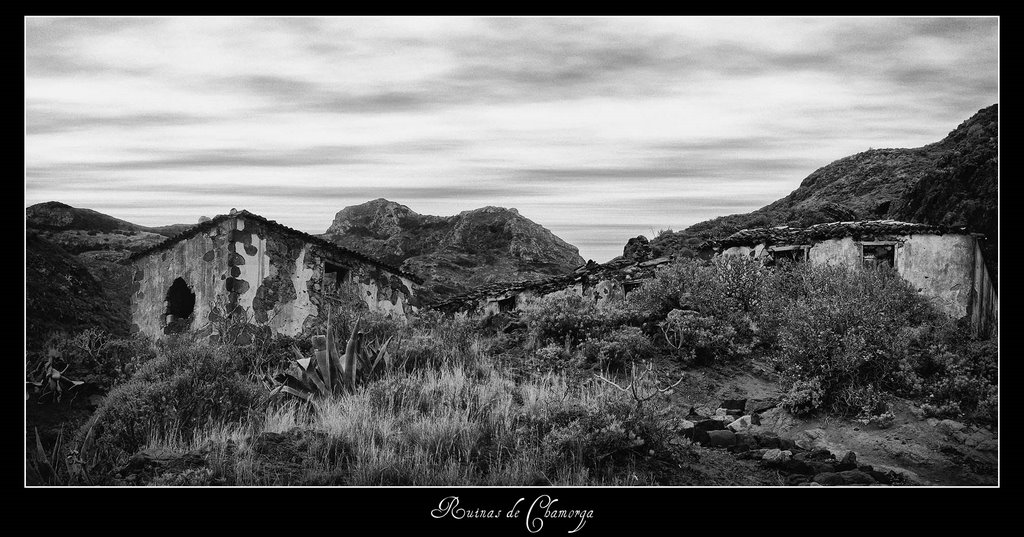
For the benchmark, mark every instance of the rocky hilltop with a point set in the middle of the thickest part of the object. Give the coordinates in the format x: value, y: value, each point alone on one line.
x: 454, y: 253
x: 950, y: 182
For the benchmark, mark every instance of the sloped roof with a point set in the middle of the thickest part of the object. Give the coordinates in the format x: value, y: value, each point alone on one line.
x: 859, y: 230
x: 202, y: 227
x: 618, y: 269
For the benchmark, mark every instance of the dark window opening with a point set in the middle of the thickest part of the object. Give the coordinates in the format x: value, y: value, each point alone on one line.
x: 793, y: 255
x: 879, y: 255
x: 335, y: 277
x: 181, y: 302
x: 629, y: 287
x: 507, y: 304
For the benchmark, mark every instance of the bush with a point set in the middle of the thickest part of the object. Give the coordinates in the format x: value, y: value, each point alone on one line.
x: 846, y: 330
x: 598, y: 429
x: 659, y: 295
x: 186, y: 388
x: 960, y: 379
x: 618, y: 347
x: 804, y: 397
x: 562, y: 317
x: 699, y: 338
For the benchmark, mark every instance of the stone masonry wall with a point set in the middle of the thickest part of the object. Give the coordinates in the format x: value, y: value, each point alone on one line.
x: 201, y: 261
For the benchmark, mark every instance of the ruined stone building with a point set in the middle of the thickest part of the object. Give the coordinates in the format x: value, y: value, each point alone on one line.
x: 279, y: 277
x: 604, y: 283
x: 942, y: 263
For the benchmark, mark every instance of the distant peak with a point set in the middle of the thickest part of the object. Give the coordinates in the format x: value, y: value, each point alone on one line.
x: 491, y: 209
x: 51, y: 205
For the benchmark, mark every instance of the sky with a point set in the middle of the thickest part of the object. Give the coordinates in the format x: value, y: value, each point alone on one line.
x: 598, y: 128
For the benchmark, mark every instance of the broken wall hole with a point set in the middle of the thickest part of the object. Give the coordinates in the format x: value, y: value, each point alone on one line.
x: 507, y: 304
x: 879, y: 255
x: 629, y: 287
x: 334, y: 277
x: 793, y: 254
x: 181, y: 303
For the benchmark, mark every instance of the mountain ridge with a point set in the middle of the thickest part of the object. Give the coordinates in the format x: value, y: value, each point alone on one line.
x: 454, y: 253
x: 953, y: 182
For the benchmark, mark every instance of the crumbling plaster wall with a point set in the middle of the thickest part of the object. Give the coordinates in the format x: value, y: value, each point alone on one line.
x: 836, y: 252
x: 943, y: 268
x: 940, y: 267
x: 605, y: 293
x: 245, y: 265
x: 201, y: 261
x: 985, y: 307
x: 279, y: 277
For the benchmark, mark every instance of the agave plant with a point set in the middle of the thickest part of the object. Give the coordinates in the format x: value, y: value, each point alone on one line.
x: 45, y: 379
x: 328, y: 371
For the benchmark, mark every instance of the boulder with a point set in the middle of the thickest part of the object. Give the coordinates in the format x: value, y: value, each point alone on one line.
x: 776, y: 456
x: 721, y: 439
x: 701, y: 429
x: 856, y: 477
x: 881, y: 477
x: 768, y: 440
x: 818, y: 467
x: 686, y: 429
x: 735, y: 406
x: 830, y: 479
x: 820, y: 454
x: 741, y: 424
x: 747, y: 440
x: 846, y: 461
x: 793, y: 480
x: 797, y: 466
x: 950, y: 426
x: 638, y: 248
x: 988, y: 445
x: 810, y: 439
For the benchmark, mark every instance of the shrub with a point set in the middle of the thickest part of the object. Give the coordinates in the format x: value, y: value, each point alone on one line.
x: 597, y: 428
x: 618, y: 347
x: 697, y: 337
x: 846, y: 330
x: 186, y: 388
x: 662, y: 293
x: 961, y: 379
x: 804, y: 397
x: 562, y: 317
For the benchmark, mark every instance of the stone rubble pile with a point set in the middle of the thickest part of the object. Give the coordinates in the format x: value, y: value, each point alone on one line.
x: 729, y: 427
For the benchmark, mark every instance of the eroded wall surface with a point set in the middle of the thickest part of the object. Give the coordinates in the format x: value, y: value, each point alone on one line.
x: 201, y: 261
x: 985, y: 307
x: 276, y: 278
x: 836, y: 252
x: 940, y: 267
x: 281, y: 279
x: 945, y: 268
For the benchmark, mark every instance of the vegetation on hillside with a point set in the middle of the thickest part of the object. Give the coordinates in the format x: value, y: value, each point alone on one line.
x: 545, y: 395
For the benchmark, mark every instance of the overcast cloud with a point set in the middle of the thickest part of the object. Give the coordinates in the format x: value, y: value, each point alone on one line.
x: 599, y: 129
